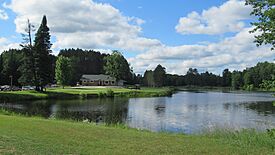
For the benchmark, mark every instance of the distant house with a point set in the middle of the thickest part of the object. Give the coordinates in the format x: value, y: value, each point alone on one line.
x: 100, y: 80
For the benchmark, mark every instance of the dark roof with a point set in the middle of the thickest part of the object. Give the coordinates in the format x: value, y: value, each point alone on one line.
x: 98, y: 77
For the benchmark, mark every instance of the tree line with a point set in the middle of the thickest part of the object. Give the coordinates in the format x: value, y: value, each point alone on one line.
x: 70, y: 64
x: 260, y: 76
x: 35, y: 64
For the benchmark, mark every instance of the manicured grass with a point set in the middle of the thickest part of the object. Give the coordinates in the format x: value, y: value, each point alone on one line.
x: 21, y: 135
x: 59, y: 93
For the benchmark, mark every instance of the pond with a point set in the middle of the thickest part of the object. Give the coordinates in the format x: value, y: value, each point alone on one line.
x: 184, y: 112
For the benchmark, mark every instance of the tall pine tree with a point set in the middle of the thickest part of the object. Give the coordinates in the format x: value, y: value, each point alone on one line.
x: 159, y: 76
x: 42, y: 58
x: 27, y: 67
x: 1, y: 69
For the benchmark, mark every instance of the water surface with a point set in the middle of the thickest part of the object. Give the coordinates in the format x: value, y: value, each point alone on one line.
x: 187, y: 112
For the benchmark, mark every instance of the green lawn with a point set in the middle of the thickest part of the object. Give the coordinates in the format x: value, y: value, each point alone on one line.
x: 21, y: 135
x: 59, y: 93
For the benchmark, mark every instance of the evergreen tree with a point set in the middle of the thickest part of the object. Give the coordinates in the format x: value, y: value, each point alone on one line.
x: 84, y: 62
x: 63, y: 71
x: 148, y: 79
x: 42, y: 58
x: 27, y: 67
x: 1, y: 69
x: 159, y: 76
x: 226, y: 78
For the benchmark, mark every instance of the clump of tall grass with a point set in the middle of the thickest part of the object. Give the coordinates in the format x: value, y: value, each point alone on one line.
x: 245, y: 138
x: 110, y: 93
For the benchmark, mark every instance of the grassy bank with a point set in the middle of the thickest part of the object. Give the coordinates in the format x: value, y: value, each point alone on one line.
x: 20, y: 135
x: 84, y: 93
x: 203, y: 88
x: 226, y: 89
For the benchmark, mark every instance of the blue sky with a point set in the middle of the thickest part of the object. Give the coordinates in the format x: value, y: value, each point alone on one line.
x: 178, y: 34
x: 162, y: 16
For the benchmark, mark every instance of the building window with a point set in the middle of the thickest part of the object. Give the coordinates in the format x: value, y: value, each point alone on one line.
x: 106, y: 82
x: 113, y: 82
x: 92, y: 81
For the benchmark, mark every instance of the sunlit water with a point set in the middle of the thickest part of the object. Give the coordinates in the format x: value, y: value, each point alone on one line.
x: 187, y: 112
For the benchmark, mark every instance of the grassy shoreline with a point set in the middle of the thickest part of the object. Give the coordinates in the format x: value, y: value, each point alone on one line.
x: 224, y: 89
x: 23, y: 135
x: 84, y: 93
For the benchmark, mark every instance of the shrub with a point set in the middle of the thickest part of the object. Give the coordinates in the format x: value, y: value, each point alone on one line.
x: 110, y: 93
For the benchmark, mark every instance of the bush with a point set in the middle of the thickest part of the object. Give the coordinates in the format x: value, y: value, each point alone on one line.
x: 83, y: 96
x: 110, y: 93
x: 268, y: 84
x: 249, y: 87
x: 101, y: 94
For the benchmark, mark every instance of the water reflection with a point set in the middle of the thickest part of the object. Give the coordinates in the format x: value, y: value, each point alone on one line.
x: 188, y: 112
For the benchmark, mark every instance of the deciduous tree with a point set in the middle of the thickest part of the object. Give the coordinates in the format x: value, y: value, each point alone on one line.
x: 264, y: 10
x: 63, y: 71
x: 117, y: 66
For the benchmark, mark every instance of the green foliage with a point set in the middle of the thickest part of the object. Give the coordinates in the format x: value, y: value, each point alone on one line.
x: 264, y: 10
x: 192, y: 77
x: 117, y: 66
x: 249, y: 87
x: 1, y: 69
x: 63, y: 71
x: 148, y: 79
x: 43, y: 65
x: 11, y: 61
x: 110, y: 93
x: 84, y: 62
x: 159, y: 76
x: 27, y: 68
x: 237, y: 81
x: 226, y: 78
x: 260, y: 76
x: 267, y: 84
x: 271, y: 133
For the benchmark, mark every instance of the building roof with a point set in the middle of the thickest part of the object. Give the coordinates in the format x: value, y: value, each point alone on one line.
x: 98, y: 77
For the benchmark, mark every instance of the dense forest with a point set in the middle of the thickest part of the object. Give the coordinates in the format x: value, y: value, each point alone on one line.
x: 84, y: 62
x: 92, y: 62
x: 260, y: 76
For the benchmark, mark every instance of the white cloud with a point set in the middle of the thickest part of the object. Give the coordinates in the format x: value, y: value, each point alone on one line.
x: 217, y: 20
x: 3, y: 41
x: 83, y: 24
x: 5, y: 44
x: 236, y: 52
x: 90, y: 25
x: 3, y: 15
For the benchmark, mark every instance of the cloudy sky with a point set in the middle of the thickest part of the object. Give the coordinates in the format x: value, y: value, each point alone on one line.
x: 179, y: 34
